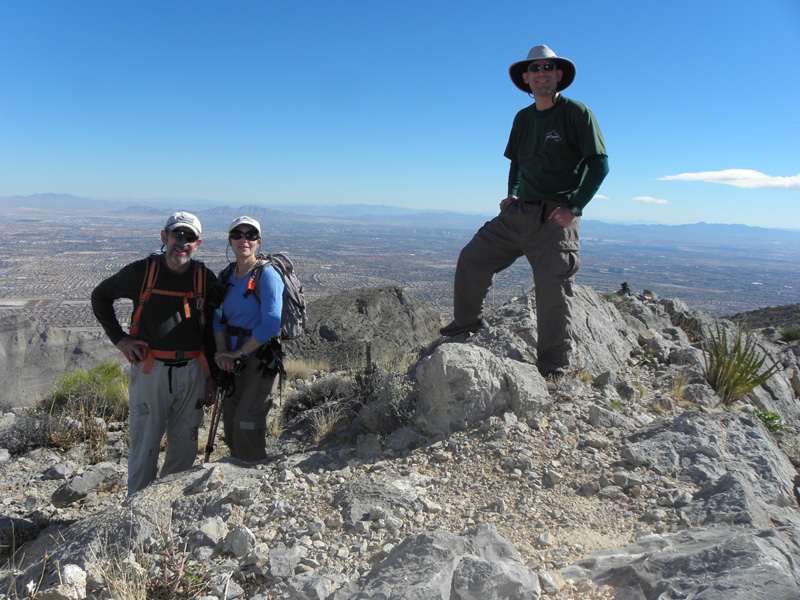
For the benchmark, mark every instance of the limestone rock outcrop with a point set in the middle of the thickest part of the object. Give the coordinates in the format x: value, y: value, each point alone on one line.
x: 628, y: 480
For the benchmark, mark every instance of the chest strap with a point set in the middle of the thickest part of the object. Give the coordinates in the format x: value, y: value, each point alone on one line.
x: 240, y: 333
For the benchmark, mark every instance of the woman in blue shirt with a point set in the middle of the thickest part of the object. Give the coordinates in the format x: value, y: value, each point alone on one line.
x: 250, y: 316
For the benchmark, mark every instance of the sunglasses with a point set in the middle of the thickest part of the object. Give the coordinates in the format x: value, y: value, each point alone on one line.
x: 183, y: 237
x: 535, y: 68
x: 237, y: 234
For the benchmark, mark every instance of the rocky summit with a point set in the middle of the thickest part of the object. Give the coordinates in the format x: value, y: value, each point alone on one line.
x: 629, y: 478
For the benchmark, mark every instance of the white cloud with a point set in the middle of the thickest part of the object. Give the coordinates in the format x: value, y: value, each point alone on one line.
x: 601, y: 197
x: 743, y: 178
x: 649, y: 200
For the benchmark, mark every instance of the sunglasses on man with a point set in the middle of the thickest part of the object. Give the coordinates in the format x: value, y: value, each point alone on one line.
x: 535, y: 67
x: 183, y: 237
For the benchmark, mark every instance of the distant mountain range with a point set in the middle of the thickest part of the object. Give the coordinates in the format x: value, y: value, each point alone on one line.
x: 707, y: 234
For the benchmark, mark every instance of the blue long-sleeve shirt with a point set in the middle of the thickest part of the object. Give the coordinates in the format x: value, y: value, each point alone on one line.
x: 263, y: 318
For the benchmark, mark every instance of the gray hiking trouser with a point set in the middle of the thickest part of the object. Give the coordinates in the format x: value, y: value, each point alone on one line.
x: 244, y: 413
x: 553, y: 253
x: 168, y: 399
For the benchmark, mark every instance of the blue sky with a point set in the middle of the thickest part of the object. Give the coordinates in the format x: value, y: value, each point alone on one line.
x: 402, y: 103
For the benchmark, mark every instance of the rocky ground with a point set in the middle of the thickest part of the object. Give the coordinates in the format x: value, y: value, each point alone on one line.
x: 501, y: 487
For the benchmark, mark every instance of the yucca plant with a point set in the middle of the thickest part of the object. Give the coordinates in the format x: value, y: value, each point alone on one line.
x: 733, y: 369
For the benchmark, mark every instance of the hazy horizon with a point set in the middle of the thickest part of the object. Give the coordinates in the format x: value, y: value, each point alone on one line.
x: 183, y: 204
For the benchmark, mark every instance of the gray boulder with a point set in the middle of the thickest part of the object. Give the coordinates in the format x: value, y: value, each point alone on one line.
x: 602, y: 338
x: 359, y: 500
x: 462, y: 384
x: 96, y: 478
x: 721, y: 563
x: 440, y: 564
x: 737, y: 471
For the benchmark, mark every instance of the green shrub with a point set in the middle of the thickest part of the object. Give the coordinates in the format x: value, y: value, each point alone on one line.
x: 770, y: 420
x: 734, y: 369
x: 103, y: 390
x: 69, y: 414
x: 790, y: 335
x: 647, y: 359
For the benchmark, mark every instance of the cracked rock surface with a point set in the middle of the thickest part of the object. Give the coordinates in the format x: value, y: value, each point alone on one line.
x: 614, y: 484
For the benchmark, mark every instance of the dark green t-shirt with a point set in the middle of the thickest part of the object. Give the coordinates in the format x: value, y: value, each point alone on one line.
x: 551, y: 148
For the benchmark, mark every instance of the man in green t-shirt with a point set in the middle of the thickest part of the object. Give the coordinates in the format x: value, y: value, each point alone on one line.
x: 558, y: 161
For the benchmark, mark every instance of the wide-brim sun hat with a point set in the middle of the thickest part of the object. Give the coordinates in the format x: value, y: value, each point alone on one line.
x: 542, y: 52
x: 184, y: 219
x: 251, y: 222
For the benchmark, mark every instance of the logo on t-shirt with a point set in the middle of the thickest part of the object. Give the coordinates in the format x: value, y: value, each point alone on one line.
x: 552, y: 136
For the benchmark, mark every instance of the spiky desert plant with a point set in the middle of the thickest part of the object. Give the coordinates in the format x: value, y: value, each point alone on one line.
x: 734, y: 369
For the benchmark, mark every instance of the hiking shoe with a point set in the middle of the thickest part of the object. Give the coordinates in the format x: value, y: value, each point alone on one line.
x: 453, y: 329
x: 554, y: 379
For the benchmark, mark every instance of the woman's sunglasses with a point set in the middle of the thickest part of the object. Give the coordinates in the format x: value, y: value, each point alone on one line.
x: 237, y: 234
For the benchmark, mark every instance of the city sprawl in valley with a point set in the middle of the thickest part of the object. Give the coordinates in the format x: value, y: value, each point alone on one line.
x: 52, y: 256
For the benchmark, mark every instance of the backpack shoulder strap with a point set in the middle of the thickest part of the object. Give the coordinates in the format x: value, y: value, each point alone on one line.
x: 254, y: 283
x: 149, y: 281
x: 225, y: 276
x: 199, y: 285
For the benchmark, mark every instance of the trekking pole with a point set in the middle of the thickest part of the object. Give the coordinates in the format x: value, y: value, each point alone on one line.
x: 216, y: 413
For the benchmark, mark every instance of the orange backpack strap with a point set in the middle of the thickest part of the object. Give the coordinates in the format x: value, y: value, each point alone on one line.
x: 150, y: 277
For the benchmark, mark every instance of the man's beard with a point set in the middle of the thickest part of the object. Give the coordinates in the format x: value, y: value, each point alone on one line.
x: 179, y: 260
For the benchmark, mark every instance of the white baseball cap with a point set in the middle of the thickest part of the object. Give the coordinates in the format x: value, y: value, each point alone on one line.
x: 245, y: 221
x: 183, y: 219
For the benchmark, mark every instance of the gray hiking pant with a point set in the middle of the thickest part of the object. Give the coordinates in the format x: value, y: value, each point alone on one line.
x: 553, y: 253
x: 244, y: 413
x: 168, y: 399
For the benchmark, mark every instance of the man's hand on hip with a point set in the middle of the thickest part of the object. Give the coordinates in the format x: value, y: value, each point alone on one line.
x: 562, y: 216
x: 133, y: 349
x: 506, y: 201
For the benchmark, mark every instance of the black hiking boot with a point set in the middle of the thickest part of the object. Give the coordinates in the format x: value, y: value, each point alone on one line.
x: 453, y: 329
x: 554, y: 379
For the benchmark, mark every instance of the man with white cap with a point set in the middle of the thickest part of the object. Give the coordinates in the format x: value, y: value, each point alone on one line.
x: 558, y: 161
x: 170, y: 347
